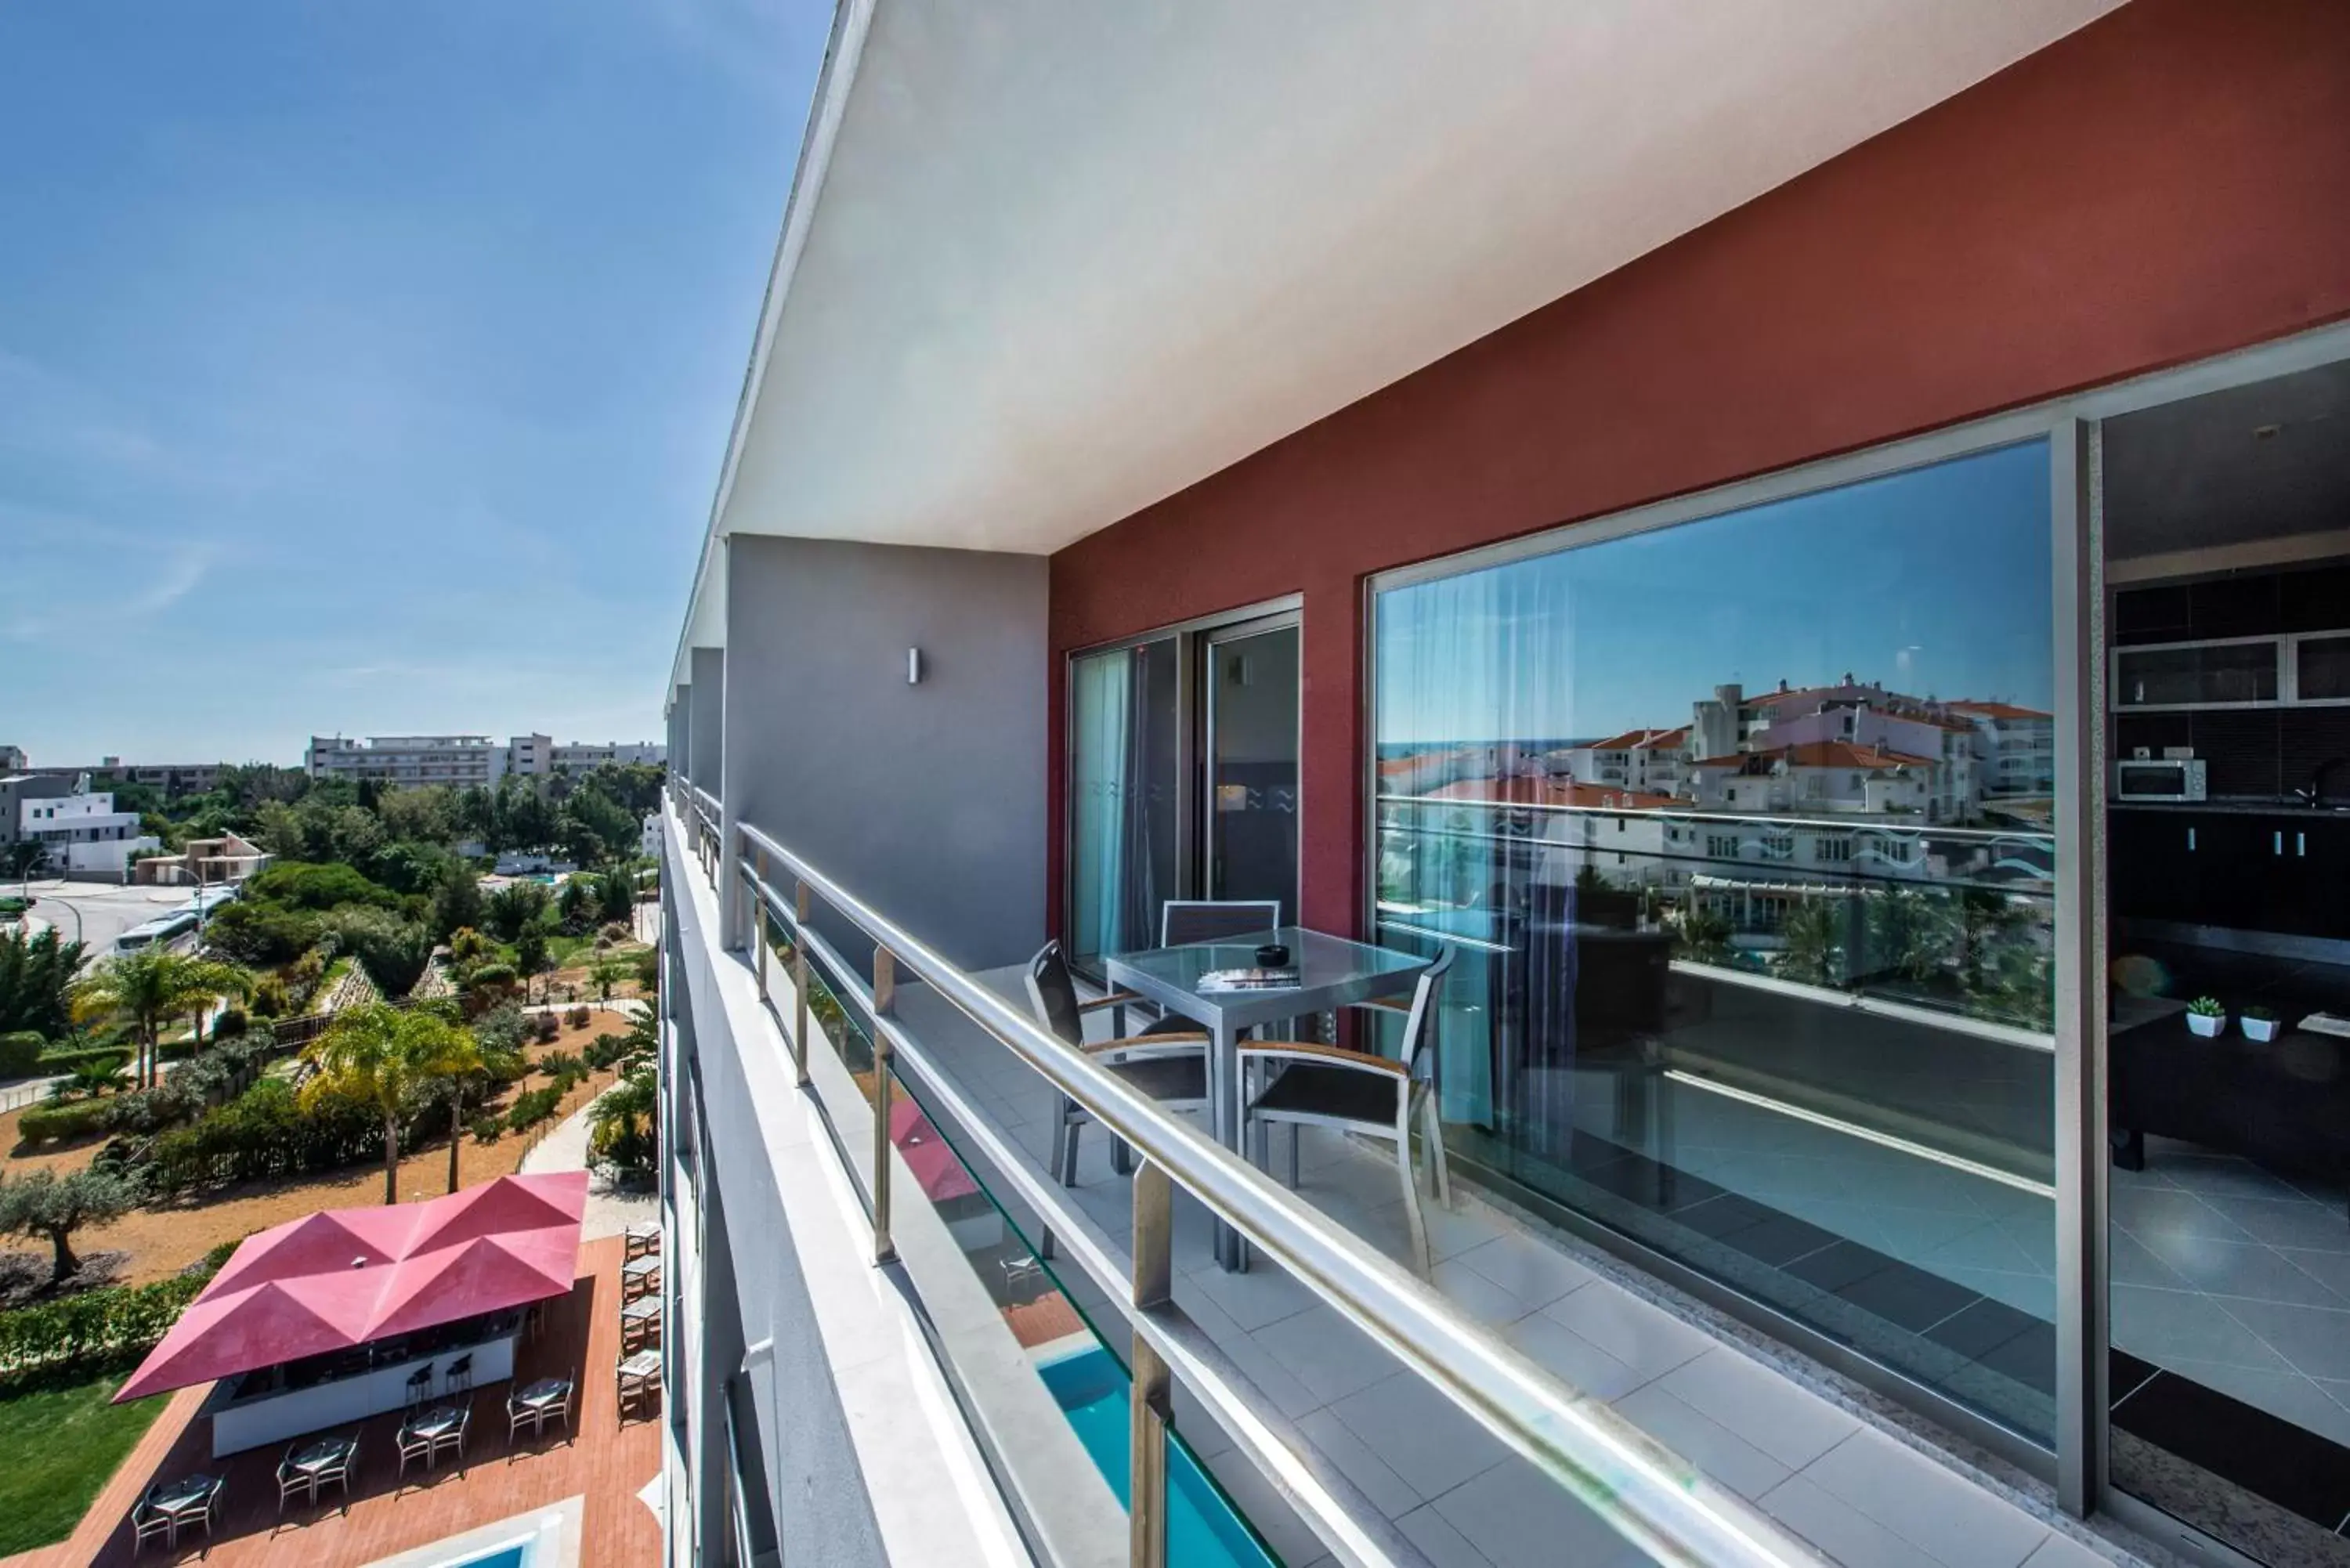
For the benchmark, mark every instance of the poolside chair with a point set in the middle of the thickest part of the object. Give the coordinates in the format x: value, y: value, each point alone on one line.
x: 1168, y: 1061
x: 147, y: 1521
x: 1376, y: 1097
x: 291, y: 1481
x: 211, y: 1514
x: 337, y: 1471
x: 412, y: 1445
x: 454, y: 1439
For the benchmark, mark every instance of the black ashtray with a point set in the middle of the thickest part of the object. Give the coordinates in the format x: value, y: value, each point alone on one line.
x: 1272, y: 955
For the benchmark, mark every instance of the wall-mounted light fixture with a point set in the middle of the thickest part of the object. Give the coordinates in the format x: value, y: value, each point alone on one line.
x: 913, y: 666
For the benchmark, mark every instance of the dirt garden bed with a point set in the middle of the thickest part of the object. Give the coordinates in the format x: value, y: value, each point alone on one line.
x: 159, y: 1241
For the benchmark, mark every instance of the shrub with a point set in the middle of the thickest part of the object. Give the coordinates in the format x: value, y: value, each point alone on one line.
x: 544, y: 1029
x: 604, y: 1050
x: 259, y: 932
x: 264, y: 1132
x: 56, y: 1061
x: 74, y: 1120
x: 562, y: 1066
x: 304, y: 885
x: 231, y: 1024
x: 492, y: 977
x: 95, y: 1325
x: 576, y: 1017
x: 532, y: 1106
x: 487, y: 1128
x: 20, y: 1053
x: 394, y: 951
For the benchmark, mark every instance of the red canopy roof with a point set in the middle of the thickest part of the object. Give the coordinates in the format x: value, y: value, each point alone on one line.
x: 339, y: 1279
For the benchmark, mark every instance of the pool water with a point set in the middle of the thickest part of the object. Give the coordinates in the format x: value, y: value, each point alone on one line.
x: 513, y: 1557
x: 1202, y: 1531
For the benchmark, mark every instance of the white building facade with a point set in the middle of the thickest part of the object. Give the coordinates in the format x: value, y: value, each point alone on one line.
x: 464, y: 761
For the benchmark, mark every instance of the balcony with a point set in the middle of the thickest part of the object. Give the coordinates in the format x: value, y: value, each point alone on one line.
x: 1531, y: 1400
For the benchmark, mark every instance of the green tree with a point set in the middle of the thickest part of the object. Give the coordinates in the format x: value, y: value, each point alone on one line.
x: 530, y: 954
x: 457, y: 901
x: 36, y: 981
x: 515, y: 908
x: 617, y: 890
x: 1703, y: 937
x: 47, y: 1207
x: 621, y: 1121
x: 148, y: 988
x: 381, y: 1057
x: 1812, y: 951
x: 453, y: 1065
x: 393, y: 952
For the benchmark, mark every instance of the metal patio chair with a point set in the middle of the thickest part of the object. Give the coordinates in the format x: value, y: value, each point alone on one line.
x: 1352, y: 1091
x: 1169, y: 1061
x: 1184, y: 921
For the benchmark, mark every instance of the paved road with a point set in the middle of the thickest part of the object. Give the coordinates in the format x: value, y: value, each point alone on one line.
x: 107, y: 910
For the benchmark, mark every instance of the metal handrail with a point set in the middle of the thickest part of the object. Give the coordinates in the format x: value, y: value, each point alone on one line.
x: 1658, y: 1502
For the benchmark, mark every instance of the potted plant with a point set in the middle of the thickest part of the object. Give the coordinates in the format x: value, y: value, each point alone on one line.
x: 2260, y: 1023
x: 2205, y: 1017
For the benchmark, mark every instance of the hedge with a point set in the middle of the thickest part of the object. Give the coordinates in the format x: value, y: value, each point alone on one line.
x: 72, y: 1119
x: 20, y: 1053
x: 60, y: 1063
x: 96, y: 1325
x: 263, y: 1132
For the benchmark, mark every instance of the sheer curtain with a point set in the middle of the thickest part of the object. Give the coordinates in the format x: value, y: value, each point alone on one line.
x: 1101, y: 787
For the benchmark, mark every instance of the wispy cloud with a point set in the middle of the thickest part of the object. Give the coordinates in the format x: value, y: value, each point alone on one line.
x: 179, y: 578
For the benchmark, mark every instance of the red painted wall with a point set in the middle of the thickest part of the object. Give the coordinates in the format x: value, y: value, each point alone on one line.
x: 2168, y: 183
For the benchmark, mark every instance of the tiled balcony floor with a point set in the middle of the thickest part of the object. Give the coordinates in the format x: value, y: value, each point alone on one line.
x: 1860, y: 1494
x: 604, y: 1468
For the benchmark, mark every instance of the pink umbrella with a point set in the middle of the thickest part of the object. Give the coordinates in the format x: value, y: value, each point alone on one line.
x: 337, y: 1280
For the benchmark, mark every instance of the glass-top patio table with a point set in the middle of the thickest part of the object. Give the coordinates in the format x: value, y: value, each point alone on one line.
x: 1329, y: 972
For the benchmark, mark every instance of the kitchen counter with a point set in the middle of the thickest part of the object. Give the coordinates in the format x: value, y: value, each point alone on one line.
x: 2236, y: 808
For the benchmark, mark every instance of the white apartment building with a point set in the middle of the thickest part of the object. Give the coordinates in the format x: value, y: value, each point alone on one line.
x: 83, y: 834
x: 464, y: 761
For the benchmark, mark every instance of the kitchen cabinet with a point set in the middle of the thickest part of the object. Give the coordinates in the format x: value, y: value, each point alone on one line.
x: 2285, y: 872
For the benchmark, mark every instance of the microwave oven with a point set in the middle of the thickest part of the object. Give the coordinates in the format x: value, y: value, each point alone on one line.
x: 2160, y: 779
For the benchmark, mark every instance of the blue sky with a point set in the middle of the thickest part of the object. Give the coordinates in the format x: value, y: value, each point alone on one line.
x: 368, y: 367
x: 1933, y: 582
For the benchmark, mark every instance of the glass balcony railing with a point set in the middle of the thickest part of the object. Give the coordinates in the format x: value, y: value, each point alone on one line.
x: 1052, y: 1314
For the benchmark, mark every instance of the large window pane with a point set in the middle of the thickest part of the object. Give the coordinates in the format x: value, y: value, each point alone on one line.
x: 1123, y: 798
x: 1742, y: 830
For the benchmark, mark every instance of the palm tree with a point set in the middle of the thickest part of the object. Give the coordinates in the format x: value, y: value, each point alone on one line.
x: 620, y: 1121
x: 381, y: 1054
x: 150, y: 986
x: 456, y: 1058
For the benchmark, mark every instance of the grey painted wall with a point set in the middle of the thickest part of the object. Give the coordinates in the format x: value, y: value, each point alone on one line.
x: 705, y: 718
x: 926, y: 800
x: 754, y: 1290
x: 680, y: 704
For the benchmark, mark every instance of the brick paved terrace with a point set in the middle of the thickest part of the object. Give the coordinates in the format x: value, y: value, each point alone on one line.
x: 604, y: 1463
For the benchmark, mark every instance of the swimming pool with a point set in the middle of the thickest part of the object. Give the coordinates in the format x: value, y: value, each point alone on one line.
x: 1202, y: 1531
x: 503, y: 1557
x: 514, y: 1554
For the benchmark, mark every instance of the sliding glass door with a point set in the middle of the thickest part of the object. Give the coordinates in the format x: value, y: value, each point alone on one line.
x: 1182, y: 775
x: 1252, y: 755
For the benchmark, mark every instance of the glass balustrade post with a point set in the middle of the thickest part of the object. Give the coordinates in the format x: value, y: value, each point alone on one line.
x: 885, y: 988
x: 758, y: 881
x: 800, y: 984
x: 1154, y: 1276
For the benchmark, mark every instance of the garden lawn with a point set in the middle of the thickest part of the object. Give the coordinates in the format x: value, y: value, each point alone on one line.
x: 62, y: 1441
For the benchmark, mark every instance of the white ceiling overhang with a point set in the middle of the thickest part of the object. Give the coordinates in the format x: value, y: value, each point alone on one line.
x: 1048, y: 263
